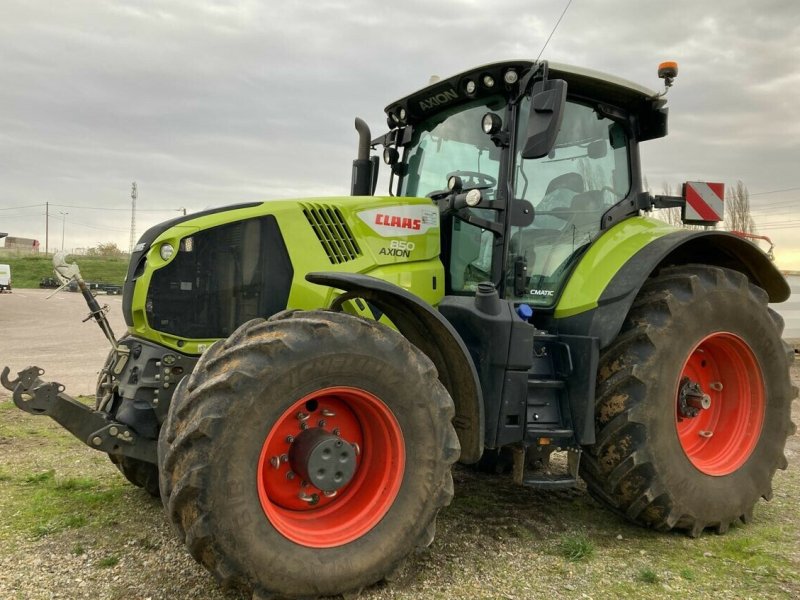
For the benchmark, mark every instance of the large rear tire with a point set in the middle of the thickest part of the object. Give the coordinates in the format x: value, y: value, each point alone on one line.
x: 693, y: 403
x: 252, y: 425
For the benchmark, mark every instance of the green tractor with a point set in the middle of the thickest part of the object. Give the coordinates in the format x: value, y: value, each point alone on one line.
x: 298, y: 377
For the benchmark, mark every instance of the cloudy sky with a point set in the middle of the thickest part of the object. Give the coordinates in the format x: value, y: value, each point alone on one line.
x: 205, y: 103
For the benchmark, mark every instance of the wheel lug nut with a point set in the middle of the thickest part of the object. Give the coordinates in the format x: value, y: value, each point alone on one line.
x: 337, y: 433
x: 326, y: 412
x: 301, y: 416
x: 284, y: 458
x: 275, y: 461
x: 357, y: 448
x: 716, y: 386
x: 289, y: 439
x: 330, y: 494
x: 321, y: 423
x: 705, y: 434
x: 304, y: 425
x: 290, y: 475
x: 311, y: 499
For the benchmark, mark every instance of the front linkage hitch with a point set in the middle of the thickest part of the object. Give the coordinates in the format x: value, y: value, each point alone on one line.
x: 93, y: 427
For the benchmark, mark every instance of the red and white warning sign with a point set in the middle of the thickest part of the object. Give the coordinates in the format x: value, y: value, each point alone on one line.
x: 705, y: 202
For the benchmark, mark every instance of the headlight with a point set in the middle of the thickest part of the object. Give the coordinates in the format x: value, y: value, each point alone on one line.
x: 510, y: 77
x: 166, y: 251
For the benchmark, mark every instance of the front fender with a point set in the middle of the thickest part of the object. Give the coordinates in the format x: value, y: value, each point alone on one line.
x: 429, y: 331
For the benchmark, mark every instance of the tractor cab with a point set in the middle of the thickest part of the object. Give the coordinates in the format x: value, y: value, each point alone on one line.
x: 551, y: 154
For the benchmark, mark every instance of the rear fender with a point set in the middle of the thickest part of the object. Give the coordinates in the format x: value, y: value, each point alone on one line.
x: 429, y: 331
x: 602, y: 315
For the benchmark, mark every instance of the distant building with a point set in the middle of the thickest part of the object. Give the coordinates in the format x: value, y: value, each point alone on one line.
x: 22, y: 244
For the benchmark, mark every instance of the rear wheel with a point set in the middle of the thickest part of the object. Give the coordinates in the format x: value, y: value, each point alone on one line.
x: 308, y: 455
x: 693, y: 403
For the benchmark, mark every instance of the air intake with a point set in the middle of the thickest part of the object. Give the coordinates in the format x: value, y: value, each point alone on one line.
x: 333, y: 233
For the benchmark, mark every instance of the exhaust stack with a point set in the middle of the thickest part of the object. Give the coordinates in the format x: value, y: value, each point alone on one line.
x: 365, y: 169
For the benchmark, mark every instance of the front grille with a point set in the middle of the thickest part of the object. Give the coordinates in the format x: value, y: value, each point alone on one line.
x: 332, y: 232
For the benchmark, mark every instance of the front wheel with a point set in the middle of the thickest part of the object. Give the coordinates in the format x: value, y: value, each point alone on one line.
x: 693, y: 403
x: 307, y: 455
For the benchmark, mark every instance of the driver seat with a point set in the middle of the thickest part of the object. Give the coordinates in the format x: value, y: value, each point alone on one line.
x: 570, y: 181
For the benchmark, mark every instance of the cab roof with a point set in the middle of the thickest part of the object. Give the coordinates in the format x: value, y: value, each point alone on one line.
x: 581, y: 82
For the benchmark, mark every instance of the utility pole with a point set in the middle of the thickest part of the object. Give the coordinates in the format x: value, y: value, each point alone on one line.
x: 134, y: 195
x: 46, y: 228
x: 63, y: 223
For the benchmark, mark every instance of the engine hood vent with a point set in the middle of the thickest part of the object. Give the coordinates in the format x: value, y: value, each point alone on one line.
x: 332, y: 232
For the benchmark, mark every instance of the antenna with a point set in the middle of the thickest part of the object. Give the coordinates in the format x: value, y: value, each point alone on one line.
x: 554, y: 30
x: 134, y: 195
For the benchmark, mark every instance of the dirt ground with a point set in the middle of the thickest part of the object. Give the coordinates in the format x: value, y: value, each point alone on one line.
x: 73, y: 528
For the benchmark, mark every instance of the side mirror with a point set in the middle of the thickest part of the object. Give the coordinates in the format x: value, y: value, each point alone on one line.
x: 547, y: 111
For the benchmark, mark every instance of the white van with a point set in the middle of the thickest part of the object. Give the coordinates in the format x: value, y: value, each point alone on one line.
x: 5, y: 278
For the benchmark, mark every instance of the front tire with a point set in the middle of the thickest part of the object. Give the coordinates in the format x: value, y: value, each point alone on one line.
x: 693, y: 403
x: 242, y: 454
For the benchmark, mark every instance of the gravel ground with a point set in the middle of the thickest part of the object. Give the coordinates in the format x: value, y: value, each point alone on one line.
x: 72, y: 528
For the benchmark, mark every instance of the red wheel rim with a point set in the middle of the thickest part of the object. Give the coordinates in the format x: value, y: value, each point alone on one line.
x: 721, y: 438
x: 325, y: 521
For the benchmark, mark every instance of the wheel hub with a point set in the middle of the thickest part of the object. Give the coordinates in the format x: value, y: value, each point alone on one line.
x: 330, y: 467
x: 323, y: 459
x: 691, y: 398
x: 720, y: 406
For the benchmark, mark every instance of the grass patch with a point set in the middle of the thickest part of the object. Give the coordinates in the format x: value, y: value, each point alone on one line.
x: 108, y: 561
x: 76, y: 483
x: 647, y: 575
x: 78, y: 550
x: 59, y: 523
x: 27, y: 271
x: 43, y: 504
x: 576, y: 548
x: 38, y: 478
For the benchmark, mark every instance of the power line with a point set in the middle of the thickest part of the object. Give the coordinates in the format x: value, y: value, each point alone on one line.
x: 116, y: 209
x: 775, y: 191
x: 26, y: 206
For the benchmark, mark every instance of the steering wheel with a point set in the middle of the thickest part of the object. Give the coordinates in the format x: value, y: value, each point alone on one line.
x: 472, y: 180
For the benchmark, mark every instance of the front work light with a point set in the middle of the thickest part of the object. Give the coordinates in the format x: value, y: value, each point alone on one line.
x: 473, y: 198
x: 166, y: 251
x: 491, y: 123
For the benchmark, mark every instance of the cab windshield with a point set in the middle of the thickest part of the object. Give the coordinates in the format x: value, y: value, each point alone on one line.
x: 453, y: 143
x: 585, y: 174
x: 449, y: 143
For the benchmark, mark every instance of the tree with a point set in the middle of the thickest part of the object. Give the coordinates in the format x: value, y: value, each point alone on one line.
x: 108, y: 249
x: 737, y: 209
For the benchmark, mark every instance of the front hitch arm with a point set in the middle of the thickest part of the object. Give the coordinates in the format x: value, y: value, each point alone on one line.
x: 94, y: 428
